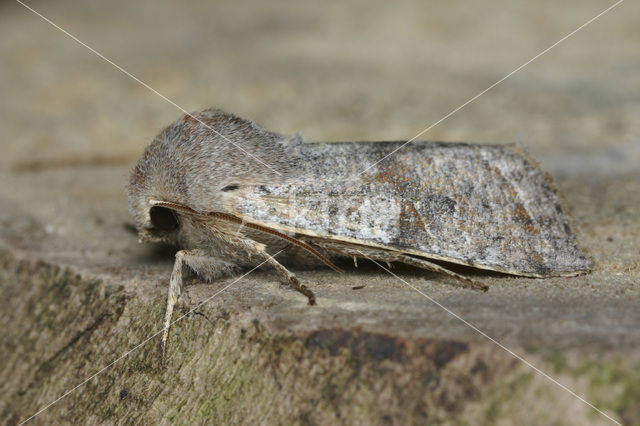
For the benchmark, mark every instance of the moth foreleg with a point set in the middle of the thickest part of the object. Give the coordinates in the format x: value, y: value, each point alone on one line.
x: 202, y: 264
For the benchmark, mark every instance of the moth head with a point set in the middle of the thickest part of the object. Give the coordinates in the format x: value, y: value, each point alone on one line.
x: 154, y: 223
x: 203, y: 161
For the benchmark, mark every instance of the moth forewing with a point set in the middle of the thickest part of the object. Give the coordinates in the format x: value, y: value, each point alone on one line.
x: 487, y: 207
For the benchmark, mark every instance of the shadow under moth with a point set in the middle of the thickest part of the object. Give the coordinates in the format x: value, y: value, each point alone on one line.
x: 198, y: 186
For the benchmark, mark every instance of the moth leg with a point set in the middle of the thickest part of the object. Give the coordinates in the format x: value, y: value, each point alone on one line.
x: 392, y: 256
x: 258, y: 250
x: 425, y: 264
x: 201, y: 263
x: 175, y: 288
x: 288, y: 278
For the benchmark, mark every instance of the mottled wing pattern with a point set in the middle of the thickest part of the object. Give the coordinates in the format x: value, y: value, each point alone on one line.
x: 477, y: 205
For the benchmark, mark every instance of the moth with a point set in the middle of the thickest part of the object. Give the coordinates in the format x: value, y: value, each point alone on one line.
x: 232, y: 196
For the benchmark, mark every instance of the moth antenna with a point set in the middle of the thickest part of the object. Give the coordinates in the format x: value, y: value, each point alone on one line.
x: 188, y: 210
x: 278, y: 234
x: 242, y: 224
x: 174, y: 206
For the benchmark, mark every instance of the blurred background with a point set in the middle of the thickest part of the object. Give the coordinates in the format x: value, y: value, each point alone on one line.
x: 367, y: 70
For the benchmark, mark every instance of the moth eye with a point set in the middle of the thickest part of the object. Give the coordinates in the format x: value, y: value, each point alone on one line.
x: 230, y: 188
x: 163, y: 219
